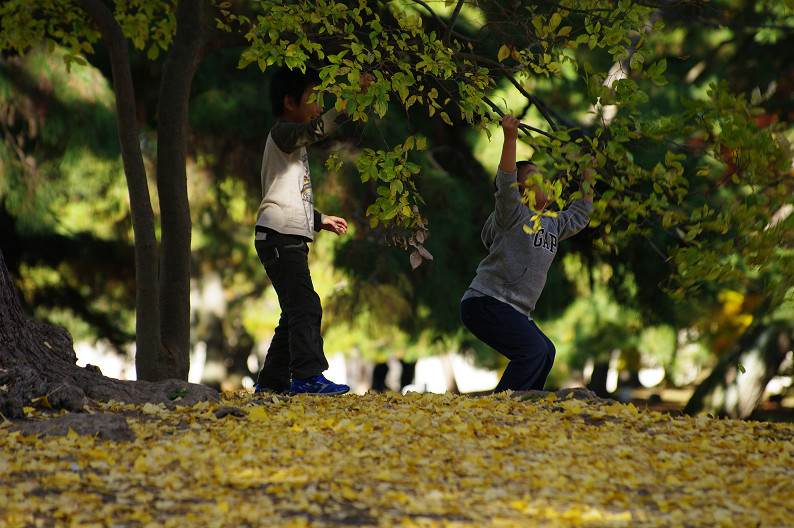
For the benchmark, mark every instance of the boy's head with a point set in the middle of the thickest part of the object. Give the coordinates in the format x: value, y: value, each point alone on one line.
x: 529, y: 179
x: 290, y: 90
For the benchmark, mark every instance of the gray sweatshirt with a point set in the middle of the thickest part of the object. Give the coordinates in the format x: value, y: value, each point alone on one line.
x: 287, y: 200
x: 518, y: 262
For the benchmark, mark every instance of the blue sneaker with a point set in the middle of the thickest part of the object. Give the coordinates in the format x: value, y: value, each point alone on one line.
x: 317, y: 385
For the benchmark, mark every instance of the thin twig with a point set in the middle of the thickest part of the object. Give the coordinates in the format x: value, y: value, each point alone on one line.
x: 452, y: 22
x: 447, y: 29
x: 495, y: 65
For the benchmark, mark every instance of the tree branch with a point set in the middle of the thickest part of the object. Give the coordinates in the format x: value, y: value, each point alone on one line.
x: 217, y: 40
x: 447, y: 28
x: 452, y: 22
x: 497, y: 66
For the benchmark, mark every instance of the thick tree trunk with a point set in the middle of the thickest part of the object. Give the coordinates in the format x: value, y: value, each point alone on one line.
x: 192, y: 43
x: 730, y: 392
x: 162, y: 280
x: 147, y: 314
x: 178, y: 71
x: 38, y: 368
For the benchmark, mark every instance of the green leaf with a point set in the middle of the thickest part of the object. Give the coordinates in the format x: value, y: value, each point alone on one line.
x: 554, y: 22
x: 181, y: 393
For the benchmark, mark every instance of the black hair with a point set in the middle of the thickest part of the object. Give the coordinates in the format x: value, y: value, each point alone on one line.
x: 290, y: 82
x: 519, y: 164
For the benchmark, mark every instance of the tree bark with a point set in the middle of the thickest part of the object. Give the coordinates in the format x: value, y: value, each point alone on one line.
x: 162, y: 273
x: 147, y: 314
x: 192, y: 43
x: 38, y: 368
x: 178, y: 71
x: 730, y: 392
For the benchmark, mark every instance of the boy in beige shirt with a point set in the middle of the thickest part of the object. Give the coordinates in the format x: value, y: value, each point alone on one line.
x: 286, y: 223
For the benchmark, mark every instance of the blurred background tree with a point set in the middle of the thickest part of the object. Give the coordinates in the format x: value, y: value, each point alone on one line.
x: 694, y: 192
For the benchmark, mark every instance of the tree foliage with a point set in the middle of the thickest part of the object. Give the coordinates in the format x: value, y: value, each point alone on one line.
x: 716, y: 183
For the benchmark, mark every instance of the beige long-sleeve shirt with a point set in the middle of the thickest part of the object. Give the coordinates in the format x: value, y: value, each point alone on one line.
x: 287, y: 200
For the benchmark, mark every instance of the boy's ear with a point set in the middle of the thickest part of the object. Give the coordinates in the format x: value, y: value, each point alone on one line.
x: 289, y: 103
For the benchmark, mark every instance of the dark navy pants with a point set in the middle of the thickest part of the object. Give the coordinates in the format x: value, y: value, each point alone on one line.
x: 515, y: 336
x: 297, y: 346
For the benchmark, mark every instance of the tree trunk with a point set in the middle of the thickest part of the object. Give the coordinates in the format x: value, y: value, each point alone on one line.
x: 147, y: 314
x: 38, y: 368
x: 598, y: 380
x: 162, y: 280
x: 730, y: 392
x: 172, y: 116
x: 192, y: 43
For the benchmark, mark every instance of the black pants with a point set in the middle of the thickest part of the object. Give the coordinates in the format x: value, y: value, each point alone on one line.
x: 297, y: 346
x: 513, y: 335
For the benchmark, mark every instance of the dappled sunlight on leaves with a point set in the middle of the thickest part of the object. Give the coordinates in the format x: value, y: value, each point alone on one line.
x: 392, y: 460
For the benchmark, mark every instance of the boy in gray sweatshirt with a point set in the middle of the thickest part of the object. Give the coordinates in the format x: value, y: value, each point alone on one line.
x: 286, y: 222
x: 497, y: 306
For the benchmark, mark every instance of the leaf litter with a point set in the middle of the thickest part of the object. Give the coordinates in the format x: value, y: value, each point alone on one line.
x: 419, y: 460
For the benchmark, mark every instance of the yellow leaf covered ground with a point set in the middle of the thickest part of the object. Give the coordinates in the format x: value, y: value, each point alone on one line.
x: 409, y: 461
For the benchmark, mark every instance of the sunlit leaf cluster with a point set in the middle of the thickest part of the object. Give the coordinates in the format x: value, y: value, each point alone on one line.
x: 28, y: 24
x: 677, y: 173
x: 445, y: 67
x: 414, y: 460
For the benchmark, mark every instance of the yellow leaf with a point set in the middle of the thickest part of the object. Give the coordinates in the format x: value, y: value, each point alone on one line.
x: 259, y: 414
x: 504, y: 52
x: 209, y: 415
x: 43, y: 401
x: 349, y: 493
x: 139, y: 465
x: 149, y: 408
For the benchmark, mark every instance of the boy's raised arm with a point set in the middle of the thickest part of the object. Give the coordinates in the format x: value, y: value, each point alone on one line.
x: 292, y: 136
x: 576, y: 215
x: 507, y: 194
x: 587, y: 177
x: 510, y: 128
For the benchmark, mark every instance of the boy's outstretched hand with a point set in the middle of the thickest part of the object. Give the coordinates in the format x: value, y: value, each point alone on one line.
x: 335, y: 224
x: 510, y: 126
x: 365, y: 80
